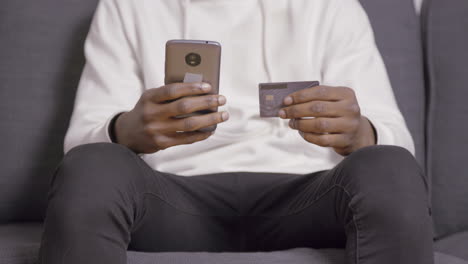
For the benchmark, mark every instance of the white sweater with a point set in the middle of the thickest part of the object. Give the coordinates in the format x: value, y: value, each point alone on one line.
x: 330, y: 41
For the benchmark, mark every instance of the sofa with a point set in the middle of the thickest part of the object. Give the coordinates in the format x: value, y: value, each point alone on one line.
x: 41, y: 59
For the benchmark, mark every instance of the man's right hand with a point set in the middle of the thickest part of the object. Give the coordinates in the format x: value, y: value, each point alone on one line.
x: 152, y: 124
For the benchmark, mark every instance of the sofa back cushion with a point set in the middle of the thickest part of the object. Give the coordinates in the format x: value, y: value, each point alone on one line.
x: 41, y: 61
x: 446, y: 37
x: 40, y: 64
x: 398, y: 35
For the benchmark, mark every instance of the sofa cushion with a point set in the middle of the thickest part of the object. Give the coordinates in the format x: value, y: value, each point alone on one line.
x: 19, y: 244
x: 441, y: 258
x: 398, y: 36
x: 446, y: 35
x: 40, y: 64
x: 455, y: 245
x: 293, y: 256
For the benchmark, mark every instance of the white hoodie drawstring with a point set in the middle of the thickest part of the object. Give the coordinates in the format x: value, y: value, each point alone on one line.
x: 186, y: 26
x: 266, y: 61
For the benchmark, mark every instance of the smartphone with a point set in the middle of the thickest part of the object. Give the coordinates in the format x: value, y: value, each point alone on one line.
x: 200, y: 60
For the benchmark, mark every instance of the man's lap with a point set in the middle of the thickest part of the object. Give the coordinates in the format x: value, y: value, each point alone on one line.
x: 239, y: 212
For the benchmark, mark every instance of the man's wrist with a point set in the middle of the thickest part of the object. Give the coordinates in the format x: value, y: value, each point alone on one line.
x: 112, y: 129
x: 367, y: 135
x: 124, y: 131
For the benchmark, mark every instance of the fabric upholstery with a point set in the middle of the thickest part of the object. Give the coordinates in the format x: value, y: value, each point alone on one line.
x: 446, y: 35
x: 19, y: 244
x: 441, y: 258
x: 294, y: 256
x: 455, y: 245
x: 397, y: 32
x: 40, y: 64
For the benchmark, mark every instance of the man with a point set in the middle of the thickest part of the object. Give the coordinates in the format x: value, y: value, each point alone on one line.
x: 258, y: 184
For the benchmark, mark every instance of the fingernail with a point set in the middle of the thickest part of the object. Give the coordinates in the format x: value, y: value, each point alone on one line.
x: 221, y: 100
x: 291, y: 123
x: 206, y: 87
x: 225, y: 116
x: 288, y: 100
x: 282, y: 113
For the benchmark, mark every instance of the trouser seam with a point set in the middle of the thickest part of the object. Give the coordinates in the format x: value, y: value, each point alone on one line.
x: 184, y: 211
x: 139, y: 199
x: 65, y: 254
x: 349, y: 207
x: 354, y: 221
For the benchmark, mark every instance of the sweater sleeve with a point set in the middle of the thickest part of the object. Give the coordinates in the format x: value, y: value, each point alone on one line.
x: 353, y: 60
x: 111, y: 81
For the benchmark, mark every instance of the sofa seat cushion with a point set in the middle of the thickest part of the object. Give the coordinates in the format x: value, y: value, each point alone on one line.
x: 293, y: 256
x: 19, y: 244
x: 445, y: 28
x: 456, y: 245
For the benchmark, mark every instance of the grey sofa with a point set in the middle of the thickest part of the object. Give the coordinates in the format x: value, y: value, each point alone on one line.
x: 40, y: 64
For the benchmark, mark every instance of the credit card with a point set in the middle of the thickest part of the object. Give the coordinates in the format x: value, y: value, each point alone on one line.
x: 272, y: 95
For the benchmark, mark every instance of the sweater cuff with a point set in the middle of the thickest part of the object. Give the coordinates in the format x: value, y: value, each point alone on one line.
x: 110, y: 128
x: 383, y: 134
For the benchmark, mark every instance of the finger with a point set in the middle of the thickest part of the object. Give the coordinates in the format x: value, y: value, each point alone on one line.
x: 185, y: 138
x: 176, y: 90
x: 320, y: 93
x: 314, y: 109
x: 327, y: 140
x: 324, y: 125
x: 189, y: 105
x: 175, y: 139
x: 187, y: 124
x: 195, y: 123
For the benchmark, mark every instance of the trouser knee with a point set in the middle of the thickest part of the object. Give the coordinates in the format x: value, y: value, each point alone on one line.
x: 387, y: 185
x: 95, y: 183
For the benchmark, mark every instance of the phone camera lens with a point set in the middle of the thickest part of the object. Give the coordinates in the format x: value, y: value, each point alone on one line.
x: 193, y: 59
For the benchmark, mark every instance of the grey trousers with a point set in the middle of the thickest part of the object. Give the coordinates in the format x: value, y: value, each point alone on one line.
x: 104, y: 200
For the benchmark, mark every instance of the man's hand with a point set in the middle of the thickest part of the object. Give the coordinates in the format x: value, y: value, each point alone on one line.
x: 151, y: 125
x: 336, y: 122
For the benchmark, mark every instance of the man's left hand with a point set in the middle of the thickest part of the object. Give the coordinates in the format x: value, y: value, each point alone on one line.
x: 329, y: 117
